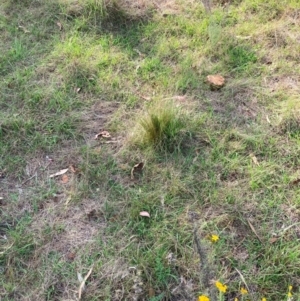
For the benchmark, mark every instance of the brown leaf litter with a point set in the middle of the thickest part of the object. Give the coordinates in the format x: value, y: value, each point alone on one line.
x: 137, y: 168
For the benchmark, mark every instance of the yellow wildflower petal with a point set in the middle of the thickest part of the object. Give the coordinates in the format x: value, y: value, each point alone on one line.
x: 214, y: 238
x: 290, y: 288
x: 236, y: 299
x: 221, y: 287
x: 203, y: 298
x: 289, y: 294
x: 263, y: 299
x: 244, y: 291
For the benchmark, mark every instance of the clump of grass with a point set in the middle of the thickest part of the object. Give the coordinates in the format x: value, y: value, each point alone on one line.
x: 290, y: 125
x: 119, y: 10
x: 290, y: 118
x: 240, y: 57
x: 162, y: 127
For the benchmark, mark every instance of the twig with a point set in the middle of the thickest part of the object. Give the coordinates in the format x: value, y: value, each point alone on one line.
x: 27, y: 180
x: 243, y: 279
x: 82, y: 284
x: 253, y: 230
x: 203, y: 266
x: 289, y: 227
x: 35, y: 175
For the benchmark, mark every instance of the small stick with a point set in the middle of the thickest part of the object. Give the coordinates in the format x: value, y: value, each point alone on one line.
x: 253, y: 230
x: 35, y: 175
x: 82, y: 284
x: 243, y: 279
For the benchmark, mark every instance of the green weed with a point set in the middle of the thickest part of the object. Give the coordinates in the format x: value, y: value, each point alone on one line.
x: 240, y: 58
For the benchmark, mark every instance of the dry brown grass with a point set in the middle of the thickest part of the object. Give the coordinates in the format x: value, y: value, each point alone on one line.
x: 142, y: 7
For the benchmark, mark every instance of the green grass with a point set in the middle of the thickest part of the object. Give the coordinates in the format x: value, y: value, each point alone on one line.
x: 215, y: 162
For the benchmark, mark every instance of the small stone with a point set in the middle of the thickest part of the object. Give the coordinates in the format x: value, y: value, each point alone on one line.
x: 216, y: 81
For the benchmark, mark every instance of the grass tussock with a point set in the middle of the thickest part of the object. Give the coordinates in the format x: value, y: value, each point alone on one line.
x: 163, y: 127
x: 110, y: 10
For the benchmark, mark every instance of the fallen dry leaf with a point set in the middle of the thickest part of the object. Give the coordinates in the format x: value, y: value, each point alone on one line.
x: 78, y: 90
x: 102, y: 134
x: 216, y: 81
x: 59, y: 25
x: 65, y: 179
x: 24, y: 29
x: 74, y: 169
x: 273, y: 240
x: 151, y: 292
x: 254, y: 159
x: 82, y: 284
x: 144, y: 213
x: 180, y: 97
x: 59, y: 173
x: 146, y: 98
x: 71, y: 256
x: 136, y: 168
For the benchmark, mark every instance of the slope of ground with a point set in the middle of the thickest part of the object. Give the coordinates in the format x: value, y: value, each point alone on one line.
x: 114, y: 95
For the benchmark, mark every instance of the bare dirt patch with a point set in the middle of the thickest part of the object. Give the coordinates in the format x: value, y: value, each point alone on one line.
x: 284, y: 83
x: 240, y: 106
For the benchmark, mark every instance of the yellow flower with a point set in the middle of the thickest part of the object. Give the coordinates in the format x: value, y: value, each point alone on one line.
x: 289, y: 294
x: 203, y: 298
x: 263, y: 299
x: 236, y: 299
x: 244, y: 291
x: 221, y: 287
x: 214, y: 238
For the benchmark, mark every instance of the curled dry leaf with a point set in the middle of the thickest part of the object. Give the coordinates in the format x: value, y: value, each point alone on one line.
x: 136, y: 168
x: 254, y: 159
x: 59, y: 173
x: 144, y: 213
x: 273, y: 240
x: 74, y: 169
x: 64, y: 179
x: 216, y: 81
x: 102, y: 134
x: 59, y: 25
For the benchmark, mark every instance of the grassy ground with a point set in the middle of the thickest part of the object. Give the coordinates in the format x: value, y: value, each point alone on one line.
x: 223, y: 163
